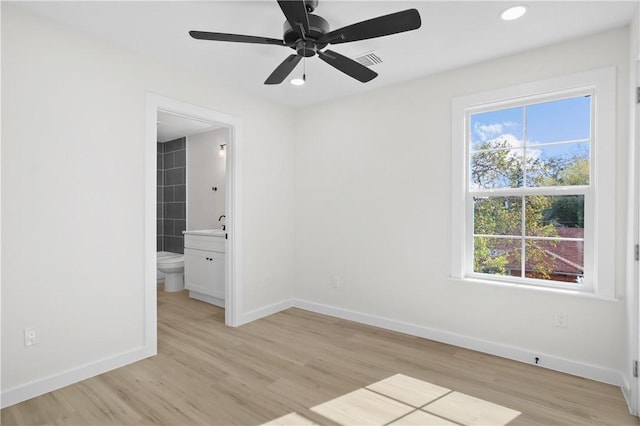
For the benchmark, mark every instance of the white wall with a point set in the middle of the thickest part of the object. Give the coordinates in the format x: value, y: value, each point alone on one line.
x: 373, y: 207
x: 205, y: 170
x: 73, y: 166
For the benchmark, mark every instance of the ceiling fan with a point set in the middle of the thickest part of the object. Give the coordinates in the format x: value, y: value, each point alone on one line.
x: 308, y: 34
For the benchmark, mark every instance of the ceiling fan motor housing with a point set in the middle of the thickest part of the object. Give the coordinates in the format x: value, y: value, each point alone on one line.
x: 318, y: 26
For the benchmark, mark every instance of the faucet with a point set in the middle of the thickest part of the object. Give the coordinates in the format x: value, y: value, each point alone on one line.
x: 223, y: 225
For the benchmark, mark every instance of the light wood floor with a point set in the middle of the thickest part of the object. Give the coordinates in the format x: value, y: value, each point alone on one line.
x: 209, y: 374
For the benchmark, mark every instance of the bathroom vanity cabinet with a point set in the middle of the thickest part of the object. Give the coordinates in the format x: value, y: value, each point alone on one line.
x: 204, y: 266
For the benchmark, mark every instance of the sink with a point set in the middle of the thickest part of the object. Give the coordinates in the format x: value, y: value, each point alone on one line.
x: 206, y: 232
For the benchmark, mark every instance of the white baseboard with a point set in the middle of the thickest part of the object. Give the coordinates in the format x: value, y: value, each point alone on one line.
x: 30, y: 390
x: 39, y: 387
x: 629, y: 396
x: 265, y: 311
x: 216, y: 301
x: 575, y: 368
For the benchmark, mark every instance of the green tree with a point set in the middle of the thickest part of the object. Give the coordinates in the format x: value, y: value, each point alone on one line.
x: 496, y: 164
x: 568, y: 210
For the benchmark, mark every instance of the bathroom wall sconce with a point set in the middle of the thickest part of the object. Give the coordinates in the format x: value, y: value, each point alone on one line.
x: 222, y: 149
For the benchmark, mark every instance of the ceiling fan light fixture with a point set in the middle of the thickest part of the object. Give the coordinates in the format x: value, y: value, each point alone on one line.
x: 300, y: 81
x: 513, y: 13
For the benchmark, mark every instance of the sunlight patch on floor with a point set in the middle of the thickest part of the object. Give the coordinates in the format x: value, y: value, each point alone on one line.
x: 291, y: 419
x: 404, y: 400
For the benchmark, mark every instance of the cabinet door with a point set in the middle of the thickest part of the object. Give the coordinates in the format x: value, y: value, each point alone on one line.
x: 217, y: 274
x: 204, y: 272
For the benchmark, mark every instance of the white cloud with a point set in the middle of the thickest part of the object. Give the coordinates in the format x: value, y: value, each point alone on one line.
x: 488, y: 131
x: 513, y: 142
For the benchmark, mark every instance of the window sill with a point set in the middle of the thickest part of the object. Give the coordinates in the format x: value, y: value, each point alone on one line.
x: 528, y: 287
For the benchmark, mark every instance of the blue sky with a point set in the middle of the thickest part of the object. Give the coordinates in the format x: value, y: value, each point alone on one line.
x: 556, y: 121
x: 548, y: 122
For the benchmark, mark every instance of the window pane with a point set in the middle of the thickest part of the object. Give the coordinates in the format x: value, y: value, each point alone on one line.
x: 500, y: 168
x: 488, y: 127
x: 563, y: 120
x: 558, y: 165
x: 497, y: 215
x: 555, y: 260
x: 555, y: 216
x: 497, y: 256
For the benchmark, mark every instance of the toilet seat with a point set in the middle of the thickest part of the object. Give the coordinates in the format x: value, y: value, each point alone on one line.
x: 170, y: 261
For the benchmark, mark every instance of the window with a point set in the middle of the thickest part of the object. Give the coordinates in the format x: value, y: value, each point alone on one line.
x: 533, y: 176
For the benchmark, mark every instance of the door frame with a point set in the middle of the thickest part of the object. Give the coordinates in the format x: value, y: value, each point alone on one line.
x: 633, y: 271
x: 233, y: 281
x: 631, y: 389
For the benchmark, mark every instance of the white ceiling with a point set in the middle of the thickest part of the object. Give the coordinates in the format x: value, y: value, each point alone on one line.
x: 172, y: 126
x: 453, y: 34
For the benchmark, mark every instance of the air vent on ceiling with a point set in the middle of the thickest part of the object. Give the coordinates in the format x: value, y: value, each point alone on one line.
x: 369, y: 59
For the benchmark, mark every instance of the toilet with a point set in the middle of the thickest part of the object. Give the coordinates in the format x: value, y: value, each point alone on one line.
x: 171, y: 267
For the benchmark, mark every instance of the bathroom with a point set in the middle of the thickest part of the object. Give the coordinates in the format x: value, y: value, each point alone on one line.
x: 190, y: 206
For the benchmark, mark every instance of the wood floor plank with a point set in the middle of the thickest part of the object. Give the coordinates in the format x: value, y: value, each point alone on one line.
x: 208, y: 374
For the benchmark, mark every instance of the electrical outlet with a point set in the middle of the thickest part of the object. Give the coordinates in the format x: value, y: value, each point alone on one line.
x: 561, y: 319
x: 335, y: 281
x: 31, y: 336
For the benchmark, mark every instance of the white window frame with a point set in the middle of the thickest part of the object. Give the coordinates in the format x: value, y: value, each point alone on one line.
x: 599, y: 244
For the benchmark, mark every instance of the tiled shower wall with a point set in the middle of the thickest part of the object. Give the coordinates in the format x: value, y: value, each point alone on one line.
x: 172, y: 195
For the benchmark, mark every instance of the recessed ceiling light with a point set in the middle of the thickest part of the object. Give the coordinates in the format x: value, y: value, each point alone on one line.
x: 297, y: 81
x: 512, y: 13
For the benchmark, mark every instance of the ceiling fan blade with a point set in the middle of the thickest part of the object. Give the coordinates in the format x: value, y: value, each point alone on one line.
x: 283, y: 70
x: 296, y: 13
x: 394, y: 23
x: 348, y: 66
x: 203, y: 35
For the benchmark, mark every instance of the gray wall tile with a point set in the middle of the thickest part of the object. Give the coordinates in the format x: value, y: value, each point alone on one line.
x: 175, y: 176
x: 180, y: 193
x: 167, y: 228
x: 174, y: 244
x: 171, y: 195
x: 180, y: 158
x: 174, y: 145
x: 179, y: 226
x: 168, y: 192
x: 169, y: 162
x: 174, y: 211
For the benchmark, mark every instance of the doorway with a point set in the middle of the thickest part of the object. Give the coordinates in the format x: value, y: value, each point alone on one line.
x: 154, y: 105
